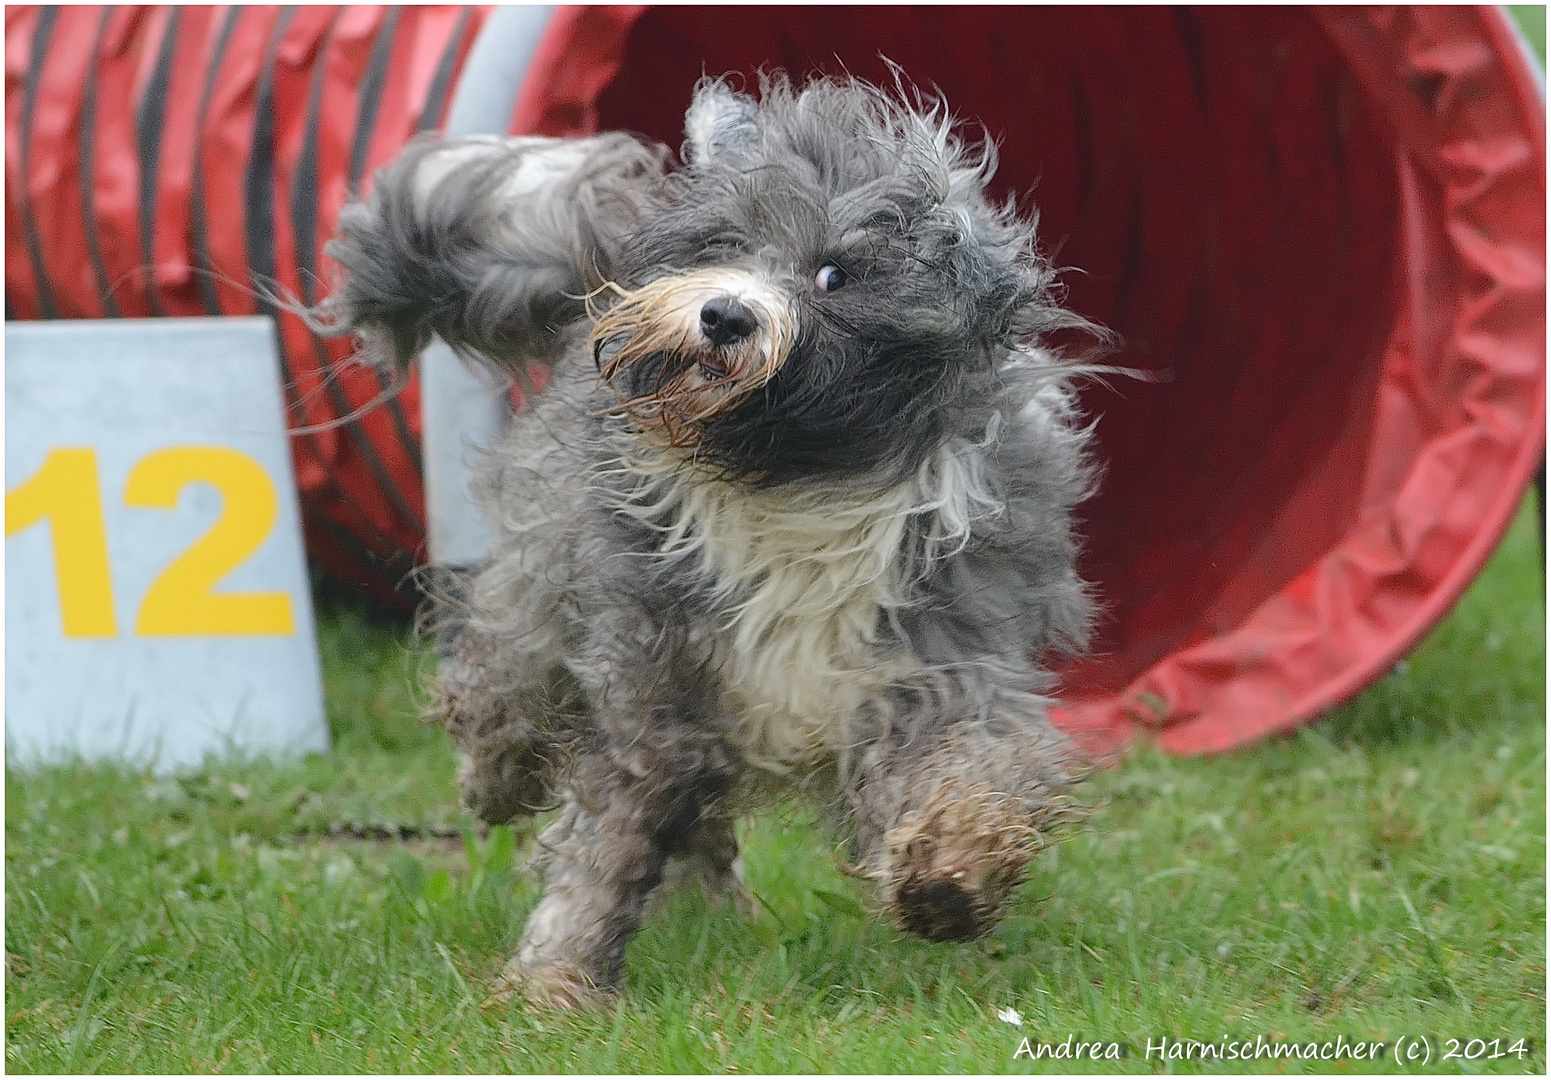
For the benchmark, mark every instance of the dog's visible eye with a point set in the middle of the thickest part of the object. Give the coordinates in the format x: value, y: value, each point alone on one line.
x: 829, y: 278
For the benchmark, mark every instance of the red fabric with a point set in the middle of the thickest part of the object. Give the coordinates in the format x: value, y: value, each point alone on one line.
x: 1326, y: 227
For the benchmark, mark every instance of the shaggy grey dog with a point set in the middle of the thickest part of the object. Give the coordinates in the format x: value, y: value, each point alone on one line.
x: 795, y: 508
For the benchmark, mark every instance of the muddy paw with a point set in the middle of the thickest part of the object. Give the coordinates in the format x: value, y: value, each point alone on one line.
x: 721, y: 882
x: 949, y: 909
x: 728, y: 891
x: 555, y: 986
x: 948, y: 868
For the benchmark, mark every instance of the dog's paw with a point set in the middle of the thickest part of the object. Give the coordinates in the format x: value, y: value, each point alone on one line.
x: 718, y: 873
x: 560, y: 985
x: 731, y: 892
x: 948, y: 868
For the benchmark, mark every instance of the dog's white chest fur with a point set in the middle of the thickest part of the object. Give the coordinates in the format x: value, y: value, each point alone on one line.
x: 806, y: 584
x: 802, y: 582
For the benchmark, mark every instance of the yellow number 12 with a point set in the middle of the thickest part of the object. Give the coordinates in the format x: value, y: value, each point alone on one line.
x: 182, y: 600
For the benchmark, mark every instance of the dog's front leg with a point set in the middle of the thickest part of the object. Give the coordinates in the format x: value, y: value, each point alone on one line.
x: 625, y: 817
x: 951, y: 804
x: 599, y: 868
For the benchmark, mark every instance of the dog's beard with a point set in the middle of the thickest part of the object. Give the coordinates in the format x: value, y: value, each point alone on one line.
x: 655, y: 335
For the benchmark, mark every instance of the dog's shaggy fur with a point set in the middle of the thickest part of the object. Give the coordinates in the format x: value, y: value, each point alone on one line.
x: 794, y: 509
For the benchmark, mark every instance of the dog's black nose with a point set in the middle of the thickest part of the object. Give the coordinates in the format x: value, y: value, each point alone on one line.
x: 724, y: 320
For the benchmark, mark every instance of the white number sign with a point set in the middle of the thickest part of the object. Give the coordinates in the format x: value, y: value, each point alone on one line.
x: 156, y: 595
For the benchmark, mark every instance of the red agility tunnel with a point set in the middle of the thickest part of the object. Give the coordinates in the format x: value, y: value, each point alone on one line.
x: 169, y: 160
x: 1323, y: 228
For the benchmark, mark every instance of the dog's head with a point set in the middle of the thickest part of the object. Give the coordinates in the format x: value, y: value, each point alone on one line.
x: 821, y: 279
x: 808, y: 294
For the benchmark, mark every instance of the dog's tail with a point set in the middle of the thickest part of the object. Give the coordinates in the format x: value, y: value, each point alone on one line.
x: 489, y: 243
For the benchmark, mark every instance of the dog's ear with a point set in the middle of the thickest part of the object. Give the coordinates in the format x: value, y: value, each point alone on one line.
x: 718, y: 122
x: 490, y: 243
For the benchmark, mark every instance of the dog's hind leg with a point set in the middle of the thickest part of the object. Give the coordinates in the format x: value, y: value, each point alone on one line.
x: 710, y: 859
x: 949, y: 815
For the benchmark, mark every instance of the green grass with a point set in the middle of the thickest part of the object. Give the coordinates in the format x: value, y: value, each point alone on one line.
x: 1379, y: 874
x: 1532, y: 20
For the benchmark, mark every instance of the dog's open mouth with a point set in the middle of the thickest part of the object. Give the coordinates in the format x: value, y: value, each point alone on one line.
x: 685, y: 391
x: 713, y: 368
x: 656, y: 336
